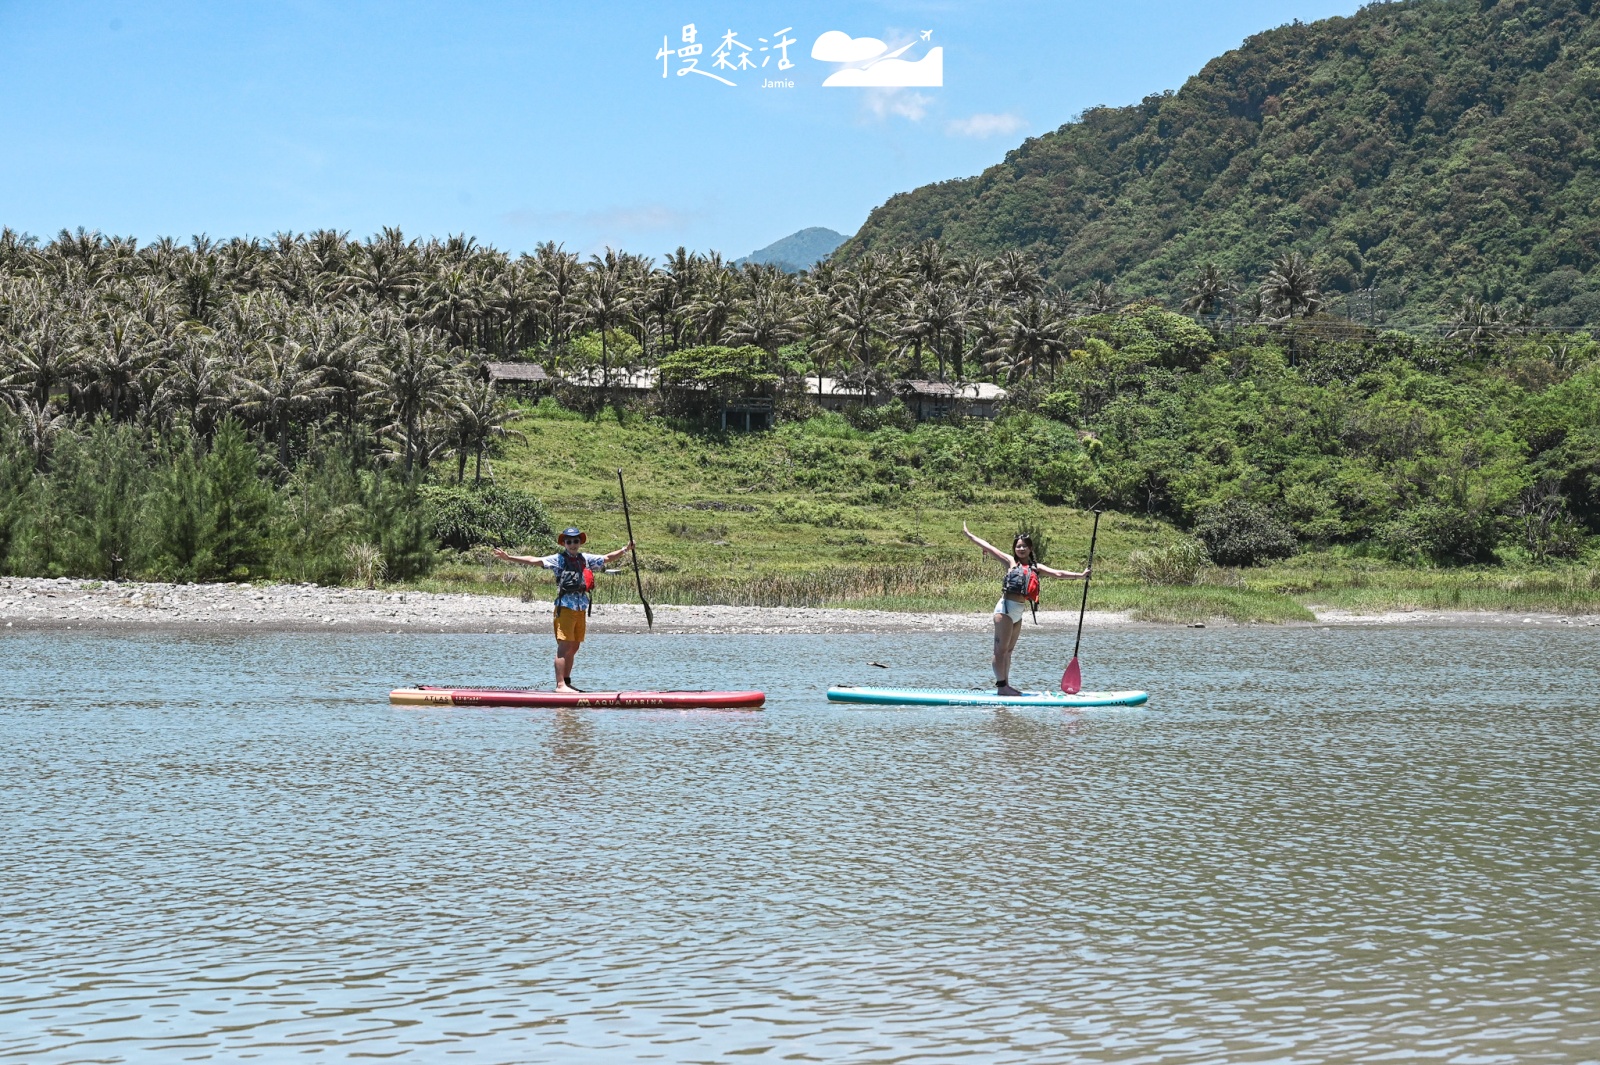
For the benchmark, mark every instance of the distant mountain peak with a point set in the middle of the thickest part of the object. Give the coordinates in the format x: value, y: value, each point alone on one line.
x: 798, y: 251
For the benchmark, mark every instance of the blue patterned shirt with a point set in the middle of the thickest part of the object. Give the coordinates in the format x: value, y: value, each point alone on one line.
x: 574, y: 600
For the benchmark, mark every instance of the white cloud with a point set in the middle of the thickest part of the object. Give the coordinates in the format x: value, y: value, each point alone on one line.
x: 984, y: 125
x: 835, y: 46
x: 884, y: 103
x: 886, y: 73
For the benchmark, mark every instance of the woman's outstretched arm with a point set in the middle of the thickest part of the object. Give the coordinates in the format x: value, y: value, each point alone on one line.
x: 988, y: 548
x: 1064, y: 574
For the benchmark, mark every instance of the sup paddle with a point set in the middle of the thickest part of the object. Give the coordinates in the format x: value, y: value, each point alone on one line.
x: 638, y: 581
x: 1072, y: 679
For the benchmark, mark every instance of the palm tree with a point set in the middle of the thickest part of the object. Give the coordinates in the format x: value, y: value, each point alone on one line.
x: 985, y: 329
x: 198, y: 382
x: 86, y: 250
x: 452, y: 302
x: 858, y: 322
x: 557, y: 294
x: 477, y: 422
x: 605, y: 306
x: 1016, y: 276
x: 116, y: 357
x: 816, y: 320
x: 17, y: 250
x: 916, y: 326
x: 1210, y: 289
x: 1102, y: 298
x: 328, y: 253
x: 637, y: 273
x: 341, y: 348
x: 43, y: 357
x: 280, y: 387
x: 1477, y: 321
x: 1290, y: 287
x: 767, y: 320
x: 508, y: 300
x: 928, y: 315
x: 656, y: 304
x: 679, y: 279
x: 383, y: 270
x: 1035, y: 335
x: 201, y: 287
x: 414, y: 374
x: 715, y: 301
x: 41, y: 423
x: 928, y: 264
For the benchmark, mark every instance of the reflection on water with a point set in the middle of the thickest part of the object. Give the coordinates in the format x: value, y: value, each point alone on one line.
x: 1314, y: 845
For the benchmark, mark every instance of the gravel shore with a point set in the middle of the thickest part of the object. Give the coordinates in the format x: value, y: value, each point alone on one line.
x: 30, y: 603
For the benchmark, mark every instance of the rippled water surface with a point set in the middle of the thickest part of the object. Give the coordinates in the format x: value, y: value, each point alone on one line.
x: 1313, y: 845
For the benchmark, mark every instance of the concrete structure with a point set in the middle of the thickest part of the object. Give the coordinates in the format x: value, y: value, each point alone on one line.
x: 927, y: 400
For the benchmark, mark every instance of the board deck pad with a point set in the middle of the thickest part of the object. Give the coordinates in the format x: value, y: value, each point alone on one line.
x: 968, y: 697
x: 426, y: 695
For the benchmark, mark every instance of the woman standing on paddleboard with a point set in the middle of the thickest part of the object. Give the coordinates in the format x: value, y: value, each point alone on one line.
x: 1018, y: 590
x: 574, y: 572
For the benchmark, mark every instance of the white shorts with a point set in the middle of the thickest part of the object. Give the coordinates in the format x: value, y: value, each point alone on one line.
x: 1011, y: 609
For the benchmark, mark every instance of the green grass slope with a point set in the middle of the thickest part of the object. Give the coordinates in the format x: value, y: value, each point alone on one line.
x: 1444, y: 144
x: 802, y: 516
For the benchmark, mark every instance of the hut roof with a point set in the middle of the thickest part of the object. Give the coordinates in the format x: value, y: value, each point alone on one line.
x: 522, y: 372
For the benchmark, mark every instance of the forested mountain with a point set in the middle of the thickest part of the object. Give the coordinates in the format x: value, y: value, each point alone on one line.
x: 798, y: 251
x: 1434, y: 149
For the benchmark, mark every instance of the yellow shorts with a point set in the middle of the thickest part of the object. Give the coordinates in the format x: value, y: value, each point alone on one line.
x: 571, y: 625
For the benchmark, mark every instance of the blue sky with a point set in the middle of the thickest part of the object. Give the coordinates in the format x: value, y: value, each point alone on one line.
x: 523, y: 122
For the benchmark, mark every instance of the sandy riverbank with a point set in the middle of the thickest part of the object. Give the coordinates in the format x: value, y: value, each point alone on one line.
x: 37, y: 603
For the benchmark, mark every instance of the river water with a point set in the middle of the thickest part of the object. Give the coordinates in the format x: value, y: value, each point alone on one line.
x: 1314, y: 845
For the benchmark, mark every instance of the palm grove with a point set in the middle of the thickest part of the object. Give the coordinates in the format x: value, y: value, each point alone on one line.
x: 313, y: 407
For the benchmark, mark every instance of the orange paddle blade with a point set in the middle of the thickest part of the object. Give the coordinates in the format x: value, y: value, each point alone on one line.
x: 1072, y: 679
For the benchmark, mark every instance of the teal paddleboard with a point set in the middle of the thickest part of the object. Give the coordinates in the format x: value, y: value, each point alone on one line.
x: 967, y: 697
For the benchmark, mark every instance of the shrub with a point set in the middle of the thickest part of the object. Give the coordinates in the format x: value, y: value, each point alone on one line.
x: 891, y: 415
x: 398, y: 523
x: 83, y: 518
x: 1180, y: 562
x: 1061, y: 407
x: 366, y: 564
x: 1239, y: 532
x: 1445, y: 533
x: 16, y: 481
x: 1068, y: 477
x: 240, y: 505
x: 824, y: 515
x: 461, y: 517
x: 210, y: 514
x: 322, y: 514
x: 1548, y: 528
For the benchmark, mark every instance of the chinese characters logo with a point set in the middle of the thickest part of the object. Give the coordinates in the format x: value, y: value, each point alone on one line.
x: 731, y: 55
x: 859, y: 62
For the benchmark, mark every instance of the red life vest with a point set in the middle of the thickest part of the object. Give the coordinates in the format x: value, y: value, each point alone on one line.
x: 570, y: 579
x: 1022, y: 581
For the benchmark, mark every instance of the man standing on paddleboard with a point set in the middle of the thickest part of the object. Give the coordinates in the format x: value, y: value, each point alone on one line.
x: 1018, y: 591
x: 574, y: 572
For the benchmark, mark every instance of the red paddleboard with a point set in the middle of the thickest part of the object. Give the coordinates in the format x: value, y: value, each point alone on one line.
x: 425, y: 695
